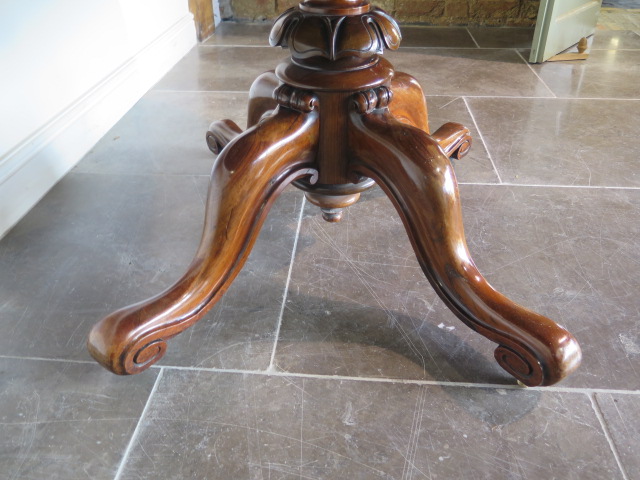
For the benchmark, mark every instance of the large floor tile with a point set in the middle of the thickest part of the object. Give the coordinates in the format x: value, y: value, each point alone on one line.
x: 165, y: 133
x: 66, y: 420
x: 448, y: 37
x: 359, y: 304
x: 232, y: 33
x: 210, y: 426
x: 622, y: 416
x: 606, y: 74
x: 561, y: 142
x: 614, y: 40
x: 209, y: 68
x: 476, y: 166
x: 523, y: 37
x: 472, y: 71
x: 100, y: 242
x: 502, y: 37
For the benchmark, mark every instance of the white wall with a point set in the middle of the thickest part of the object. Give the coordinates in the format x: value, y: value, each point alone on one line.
x: 69, y: 69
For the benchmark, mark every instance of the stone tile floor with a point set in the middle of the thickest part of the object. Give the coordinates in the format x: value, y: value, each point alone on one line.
x: 330, y: 356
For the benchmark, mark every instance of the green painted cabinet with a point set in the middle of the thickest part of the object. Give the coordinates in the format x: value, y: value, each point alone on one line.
x: 562, y: 23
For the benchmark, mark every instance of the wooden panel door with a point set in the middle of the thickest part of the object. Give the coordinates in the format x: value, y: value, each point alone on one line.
x: 562, y: 23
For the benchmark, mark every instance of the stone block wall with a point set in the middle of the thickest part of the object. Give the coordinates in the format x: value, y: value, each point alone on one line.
x: 431, y: 12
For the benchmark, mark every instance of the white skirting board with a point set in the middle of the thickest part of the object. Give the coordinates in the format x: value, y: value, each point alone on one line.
x: 28, y: 171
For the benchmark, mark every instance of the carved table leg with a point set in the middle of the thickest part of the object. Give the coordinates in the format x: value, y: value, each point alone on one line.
x: 409, y: 105
x: 261, y: 99
x: 409, y: 165
x: 261, y: 102
x: 246, y: 178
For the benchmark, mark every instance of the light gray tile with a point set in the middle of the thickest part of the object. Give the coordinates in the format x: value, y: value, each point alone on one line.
x: 66, y: 420
x: 614, y: 40
x: 164, y: 133
x: 561, y: 142
x: 502, y: 37
x: 208, y: 425
x: 360, y: 305
x: 605, y: 74
x: 100, y: 242
x: 232, y: 33
x: 221, y: 68
x: 471, y: 71
x: 448, y: 37
x: 476, y: 166
x: 622, y: 417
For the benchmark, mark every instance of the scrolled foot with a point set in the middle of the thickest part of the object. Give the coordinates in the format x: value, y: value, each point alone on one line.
x: 454, y: 139
x: 246, y: 179
x: 412, y: 169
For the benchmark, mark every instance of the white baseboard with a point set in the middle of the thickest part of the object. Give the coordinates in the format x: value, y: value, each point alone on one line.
x: 29, y: 170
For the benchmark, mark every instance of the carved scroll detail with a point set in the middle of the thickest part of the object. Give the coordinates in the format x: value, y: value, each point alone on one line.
x: 296, y: 99
x: 369, y: 100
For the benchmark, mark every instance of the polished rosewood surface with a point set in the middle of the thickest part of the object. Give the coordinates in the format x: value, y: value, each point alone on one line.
x: 335, y: 119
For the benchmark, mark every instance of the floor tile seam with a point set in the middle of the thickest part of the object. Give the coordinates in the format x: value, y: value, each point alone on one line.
x: 344, y: 377
x: 136, y: 431
x: 522, y: 97
x: 607, y: 434
x: 171, y: 90
x: 233, y: 45
x: 286, y: 286
x: 400, y: 49
x: 614, y: 49
x: 428, y: 47
x: 473, y: 49
x: 472, y: 37
x: 540, y: 185
x: 486, y: 147
x: 553, y: 94
x: 509, y: 97
x: 44, y: 359
x: 70, y: 420
x: 136, y: 174
x: 403, y: 381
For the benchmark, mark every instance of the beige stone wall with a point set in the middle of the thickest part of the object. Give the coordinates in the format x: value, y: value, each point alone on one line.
x: 432, y: 12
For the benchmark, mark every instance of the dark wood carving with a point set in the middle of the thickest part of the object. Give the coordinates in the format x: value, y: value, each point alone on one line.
x: 350, y: 121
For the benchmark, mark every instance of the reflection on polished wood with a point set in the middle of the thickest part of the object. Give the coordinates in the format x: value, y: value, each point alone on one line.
x: 335, y: 119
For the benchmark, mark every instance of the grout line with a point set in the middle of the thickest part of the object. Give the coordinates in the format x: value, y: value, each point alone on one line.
x: 589, y: 187
x: 277, y: 373
x: 495, y: 169
x: 535, y: 73
x: 236, y: 45
x: 429, y: 47
x: 404, y: 381
x: 42, y: 359
x: 162, y: 90
x: 607, y: 434
x: 134, y: 436
x: 519, y: 97
x: 286, y: 286
x: 472, y: 37
x: 488, y: 184
x: 139, y: 174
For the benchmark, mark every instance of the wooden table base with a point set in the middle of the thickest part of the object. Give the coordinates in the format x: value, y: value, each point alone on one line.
x: 333, y: 120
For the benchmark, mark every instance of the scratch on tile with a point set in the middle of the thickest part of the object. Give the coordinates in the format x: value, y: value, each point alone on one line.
x: 414, y: 436
x: 630, y: 345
